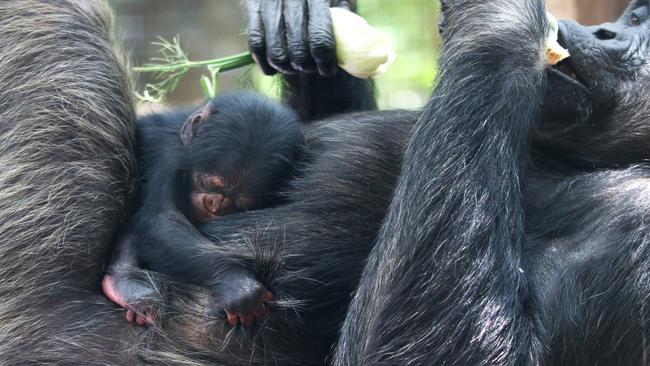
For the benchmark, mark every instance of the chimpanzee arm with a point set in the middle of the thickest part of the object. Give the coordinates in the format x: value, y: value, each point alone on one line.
x: 169, y: 244
x: 313, y: 96
x: 296, y: 39
x: 444, y: 283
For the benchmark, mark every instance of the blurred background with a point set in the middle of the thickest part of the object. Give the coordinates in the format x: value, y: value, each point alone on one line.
x: 211, y: 29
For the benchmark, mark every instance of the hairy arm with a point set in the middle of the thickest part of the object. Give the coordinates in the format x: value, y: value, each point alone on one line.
x: 444, y: 284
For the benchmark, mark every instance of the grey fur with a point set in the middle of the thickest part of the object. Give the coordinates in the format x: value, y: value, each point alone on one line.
x: 66, y: 147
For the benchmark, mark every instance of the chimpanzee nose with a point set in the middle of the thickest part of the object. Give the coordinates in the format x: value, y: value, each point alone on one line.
x: 213, y: 202
x: 605, y: 32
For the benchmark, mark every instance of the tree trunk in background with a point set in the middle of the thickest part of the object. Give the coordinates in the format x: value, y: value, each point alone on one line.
x: 588, y: 11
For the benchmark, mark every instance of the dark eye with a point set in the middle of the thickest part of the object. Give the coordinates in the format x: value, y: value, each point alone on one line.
x: 635, y: 20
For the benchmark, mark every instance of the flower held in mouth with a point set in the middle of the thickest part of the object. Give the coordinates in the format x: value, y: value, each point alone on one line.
x: 554, y: 51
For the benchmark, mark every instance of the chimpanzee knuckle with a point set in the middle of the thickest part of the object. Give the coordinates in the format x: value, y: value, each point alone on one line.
x: 256, y: 41
x: 255, y: 27
x: 345, y: 4
x: 277, y: 53
x: 297, y: 49
x: 299, y: 54
x: 322, y: 41
x: 323, y: 49
x: 278, y: 56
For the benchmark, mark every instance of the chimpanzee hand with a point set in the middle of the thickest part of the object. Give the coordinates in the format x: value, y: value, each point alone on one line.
x: 293, y: 36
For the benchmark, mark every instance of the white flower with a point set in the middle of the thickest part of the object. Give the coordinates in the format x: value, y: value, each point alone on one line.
x: 554, y: 52
x: 362, y: 50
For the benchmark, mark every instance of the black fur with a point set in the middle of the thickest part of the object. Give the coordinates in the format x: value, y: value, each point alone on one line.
x: 251, y: 138
x: 66, y: 151
x: 531, y: 252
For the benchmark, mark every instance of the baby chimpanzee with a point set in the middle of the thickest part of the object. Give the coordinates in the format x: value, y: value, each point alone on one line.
x: 235, y: 153
x: 241, y: 149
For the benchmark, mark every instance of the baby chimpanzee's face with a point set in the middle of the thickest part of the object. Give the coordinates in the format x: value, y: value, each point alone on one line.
x: 240, y: 151
x: 209, y: 200
x: 213, y: 196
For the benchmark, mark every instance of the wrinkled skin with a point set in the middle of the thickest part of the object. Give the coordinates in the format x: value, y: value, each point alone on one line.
x: 282, y: 40
x: 605, y: 57
x: 295, y: 37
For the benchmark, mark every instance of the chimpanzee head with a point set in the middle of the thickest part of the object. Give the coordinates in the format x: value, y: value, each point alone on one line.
x: 241, y: 149
x: 597, y: 105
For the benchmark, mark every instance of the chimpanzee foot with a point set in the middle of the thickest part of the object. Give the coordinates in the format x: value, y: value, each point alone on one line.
x: 249, y: 310
x: 246, y: 303
x: 134, y: 296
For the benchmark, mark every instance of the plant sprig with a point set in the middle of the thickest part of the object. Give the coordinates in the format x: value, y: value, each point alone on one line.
x: 172, y: 65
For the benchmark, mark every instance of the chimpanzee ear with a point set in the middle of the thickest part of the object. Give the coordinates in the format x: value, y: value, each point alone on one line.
x: 191, y: 125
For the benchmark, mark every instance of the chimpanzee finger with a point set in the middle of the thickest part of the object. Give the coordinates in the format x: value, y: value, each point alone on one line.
x: 276, y: 42
x: 295, y: 20
x: 256, y: 37
x: 321, y: 37
x: 130, y: 315
x: 140, y: 320
x: 246, y: 320
x: 347, y: 5
x: 233, y: 318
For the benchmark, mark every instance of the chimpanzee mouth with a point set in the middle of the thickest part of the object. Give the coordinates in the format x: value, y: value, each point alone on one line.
x: 567, y: 71
x: 568, y: 98
x: 570, y: 94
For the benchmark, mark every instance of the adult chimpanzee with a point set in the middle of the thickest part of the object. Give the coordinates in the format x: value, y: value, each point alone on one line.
x: 453, y: 282
x: 235, y: 153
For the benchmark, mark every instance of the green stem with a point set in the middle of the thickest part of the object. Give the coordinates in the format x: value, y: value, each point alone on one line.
x: 224, y: 64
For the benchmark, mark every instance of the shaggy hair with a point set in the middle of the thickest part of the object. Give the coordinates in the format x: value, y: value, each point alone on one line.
x: 66, y: 151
